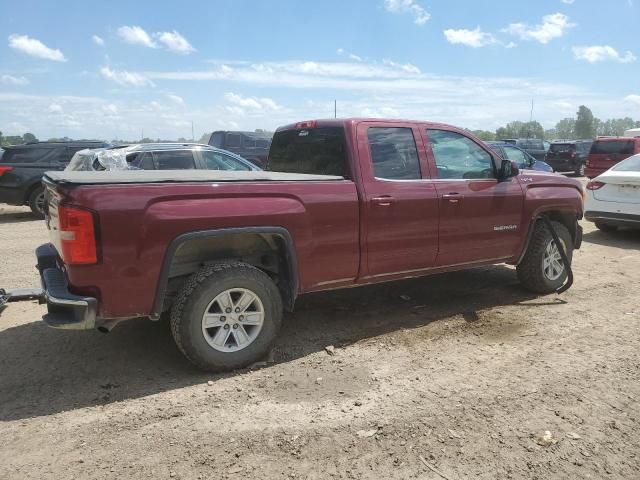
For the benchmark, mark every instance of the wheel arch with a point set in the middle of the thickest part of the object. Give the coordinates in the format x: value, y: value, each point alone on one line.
x: 567, y: 218
x: 269, y: 248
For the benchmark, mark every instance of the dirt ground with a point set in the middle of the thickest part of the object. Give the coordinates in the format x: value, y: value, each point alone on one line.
x: 466, y: 370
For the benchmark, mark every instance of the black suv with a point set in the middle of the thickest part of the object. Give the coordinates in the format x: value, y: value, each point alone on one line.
x: 254, y: 146
x: 569, y: 155
x: 22, y: 167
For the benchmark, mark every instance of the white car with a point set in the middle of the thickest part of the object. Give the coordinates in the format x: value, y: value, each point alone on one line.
x: 613, y: 198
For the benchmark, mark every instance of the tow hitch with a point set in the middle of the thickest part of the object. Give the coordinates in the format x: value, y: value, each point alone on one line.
x: 21, y: 294
x: 563, y: 256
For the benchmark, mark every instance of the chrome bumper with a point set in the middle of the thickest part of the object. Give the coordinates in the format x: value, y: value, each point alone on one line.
x: 65, y: 310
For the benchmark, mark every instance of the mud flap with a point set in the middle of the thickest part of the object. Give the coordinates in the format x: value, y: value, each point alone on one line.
x: 563, y: 256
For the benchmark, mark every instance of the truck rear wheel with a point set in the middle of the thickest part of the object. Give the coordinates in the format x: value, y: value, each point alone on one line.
x: 541, y: 269
x: 226, y: 316
x: 36, y: 202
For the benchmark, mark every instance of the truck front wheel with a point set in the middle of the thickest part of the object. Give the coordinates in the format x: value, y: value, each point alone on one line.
x: 226, y: 316
x: 541, y: 269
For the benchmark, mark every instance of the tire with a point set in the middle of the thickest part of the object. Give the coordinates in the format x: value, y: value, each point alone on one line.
x: 36, y: 202
x: 605, y: 227
x: 201, y: 295
x: 531, y: 271
x: 579, y: 171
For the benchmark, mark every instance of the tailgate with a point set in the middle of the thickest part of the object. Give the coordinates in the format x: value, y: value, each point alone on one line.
x: 52, y: 201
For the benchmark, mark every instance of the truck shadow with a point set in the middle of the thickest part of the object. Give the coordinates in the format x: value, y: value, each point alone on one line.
x: 45, y: 371
x: 17, y: 217
x: 627, y: 239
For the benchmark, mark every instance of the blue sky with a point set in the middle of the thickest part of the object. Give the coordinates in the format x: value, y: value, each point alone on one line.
x: 111, y: 69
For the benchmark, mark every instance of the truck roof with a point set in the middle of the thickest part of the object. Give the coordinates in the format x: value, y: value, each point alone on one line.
x: 341, y: 122
x: 178, y: 176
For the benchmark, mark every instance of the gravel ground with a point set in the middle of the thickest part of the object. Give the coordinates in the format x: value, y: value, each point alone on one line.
x: 462, y: 373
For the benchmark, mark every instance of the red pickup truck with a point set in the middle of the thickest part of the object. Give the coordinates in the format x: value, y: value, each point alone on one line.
x: 345, y: 203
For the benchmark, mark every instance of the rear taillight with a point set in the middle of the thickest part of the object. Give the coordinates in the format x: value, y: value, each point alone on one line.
x: 595, y: 185
x: 77, y: 236
x: 4, y: 170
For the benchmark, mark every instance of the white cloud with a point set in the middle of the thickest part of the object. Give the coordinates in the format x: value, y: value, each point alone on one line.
x: 552, y: 26
x: 633, y: 99
x: 420, y: 15
x: 56, y: 108
x: 601, y: 53
x: 239, y: 102
x: 98, y: 40
x: 35, y: 48
x: 110, y: 109
x: 471, y: 38
x: 175, y: 42
x: 15, y: 81
x: 350, y: 56
x: 406, y: 67
x: 178, y: 100
x: 568, y: 2
x: 136, y: 36
x: 123, y: 77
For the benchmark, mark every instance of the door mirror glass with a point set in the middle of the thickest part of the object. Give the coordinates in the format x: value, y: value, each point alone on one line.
x: 508, y: 169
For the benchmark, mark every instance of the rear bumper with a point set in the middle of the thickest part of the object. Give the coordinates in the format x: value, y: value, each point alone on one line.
x: 617, y: 219
x: 65, y: 310
x: 563, y: 164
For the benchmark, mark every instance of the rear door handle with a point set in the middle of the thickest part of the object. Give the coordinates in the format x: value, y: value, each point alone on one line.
x: 383, y: 201
x: 453, y: 197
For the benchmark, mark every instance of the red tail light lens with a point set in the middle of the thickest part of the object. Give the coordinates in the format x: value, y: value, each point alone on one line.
x: 4, y: 170
x: 306, y: 125
x: 77, y: 236
x: 595, y: 185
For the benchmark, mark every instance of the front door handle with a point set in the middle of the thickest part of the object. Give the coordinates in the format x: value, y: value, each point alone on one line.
x: 453, y: 197
x: 383, y: 201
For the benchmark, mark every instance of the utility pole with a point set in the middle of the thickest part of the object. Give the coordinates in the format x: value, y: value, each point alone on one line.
x: 193, y: 137
x: 335, y: 109
x: 141, y: 134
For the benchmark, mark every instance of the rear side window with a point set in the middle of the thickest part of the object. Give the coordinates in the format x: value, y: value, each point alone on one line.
x: 531, y: 144
x: 624, y: 147
x: 319, y: 151
x: 29, y: 155
x: 393, y: 153
x: 174, y: 160
x: 631, y: 164
x: 459, y: 157
x: 216, y: 139
x: 234, y: 140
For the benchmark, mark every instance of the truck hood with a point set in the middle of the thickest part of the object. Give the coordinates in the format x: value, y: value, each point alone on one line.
x: 533, y: 178
x: 179, y: 176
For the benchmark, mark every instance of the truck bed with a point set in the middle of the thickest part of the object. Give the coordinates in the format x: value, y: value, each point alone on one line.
x: 178, y: 176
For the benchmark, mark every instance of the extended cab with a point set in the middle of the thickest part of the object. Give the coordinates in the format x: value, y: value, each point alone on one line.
x: 347, y: 203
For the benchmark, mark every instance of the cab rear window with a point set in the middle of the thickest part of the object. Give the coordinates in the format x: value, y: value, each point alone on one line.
x: 624, y: 147
x: 318, y: 151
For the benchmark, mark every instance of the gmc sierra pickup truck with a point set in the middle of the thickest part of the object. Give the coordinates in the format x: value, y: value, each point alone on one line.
x: 345, y: 203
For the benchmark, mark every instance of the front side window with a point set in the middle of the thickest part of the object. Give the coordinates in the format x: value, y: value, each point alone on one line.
x: 459, y: 157
x: 393, y: 153
x: 515, y: 155
x: 216, y: 139
x: 174, y: 160
x: 220, y: 161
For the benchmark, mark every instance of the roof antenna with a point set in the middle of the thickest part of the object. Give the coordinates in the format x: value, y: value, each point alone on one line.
x: 335, y: 109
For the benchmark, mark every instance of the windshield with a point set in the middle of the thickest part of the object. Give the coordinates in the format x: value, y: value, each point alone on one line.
x: 631, y: 164
x: 613, y: 146
x: 319, y: 151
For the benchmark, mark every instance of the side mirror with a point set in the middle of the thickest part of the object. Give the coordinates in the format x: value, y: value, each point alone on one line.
x: 508, y: 169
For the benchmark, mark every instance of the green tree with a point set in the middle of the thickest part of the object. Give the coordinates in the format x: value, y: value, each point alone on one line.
x: 29, y: 137
x: 484, y: 135
x: 585, y: 125
x: 518, y: 129
x: 566, y: 129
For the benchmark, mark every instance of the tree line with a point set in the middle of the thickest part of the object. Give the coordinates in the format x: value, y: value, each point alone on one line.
x: 583, y: 126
